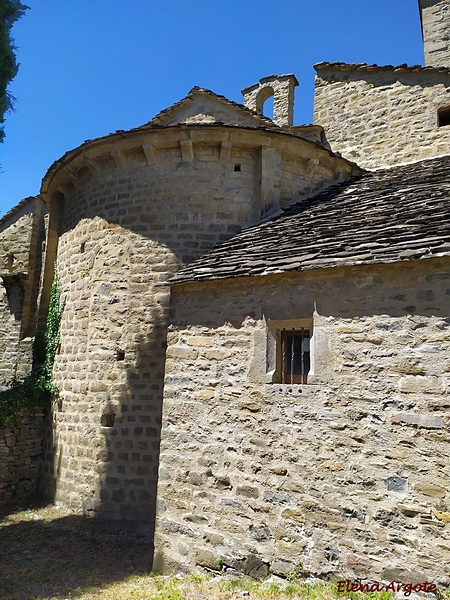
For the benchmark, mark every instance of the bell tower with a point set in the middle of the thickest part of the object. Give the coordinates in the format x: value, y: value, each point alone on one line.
x: 435, y: 20
x: 281, y: 87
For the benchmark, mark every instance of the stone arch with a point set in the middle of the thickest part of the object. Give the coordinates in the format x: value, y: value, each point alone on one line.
x: 263, y: 94
x: 281, y: 87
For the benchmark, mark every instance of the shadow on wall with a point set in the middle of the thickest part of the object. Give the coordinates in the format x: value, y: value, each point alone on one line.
x: 14, y: 293
x: 131, y: 426
x: 64, y: 556
x: 411, y: 289
x: 119, y: 239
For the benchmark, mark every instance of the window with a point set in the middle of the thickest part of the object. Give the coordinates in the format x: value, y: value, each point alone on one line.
x: 294, y: 354
x: 289, y: 358
x: 444, y: 116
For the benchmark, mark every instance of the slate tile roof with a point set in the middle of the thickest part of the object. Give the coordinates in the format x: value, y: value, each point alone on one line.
x: 161, y: 117
x: 384, y: 216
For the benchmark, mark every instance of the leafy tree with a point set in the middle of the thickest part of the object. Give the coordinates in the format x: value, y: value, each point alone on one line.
x: 10, y: 12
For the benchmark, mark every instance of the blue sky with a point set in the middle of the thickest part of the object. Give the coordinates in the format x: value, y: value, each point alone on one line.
x: 91, y: 67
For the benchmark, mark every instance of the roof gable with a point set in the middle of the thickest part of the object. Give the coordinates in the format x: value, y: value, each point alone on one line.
x: 26, y: 205
x: 202, y: 106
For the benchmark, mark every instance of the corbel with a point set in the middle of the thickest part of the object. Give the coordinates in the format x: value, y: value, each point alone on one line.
x: 150, y: 153
x: 92, y: 166
x: 225, y: 151
x: 64, y: 188
x: 187, y: 150
x: 119, y: 158
x: 72, y: 176
x: 311, y: 165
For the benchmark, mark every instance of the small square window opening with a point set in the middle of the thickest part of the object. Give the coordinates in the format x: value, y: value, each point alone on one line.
x: 294, y: 355
x: 444, y: 116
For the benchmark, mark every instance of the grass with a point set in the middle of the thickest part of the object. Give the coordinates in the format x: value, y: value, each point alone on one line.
x: 47, y: 553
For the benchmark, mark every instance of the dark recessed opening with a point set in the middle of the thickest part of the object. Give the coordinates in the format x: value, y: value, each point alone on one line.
x: 11, y: 258
x: 107, y: 420
x: 120, y: 355
x: 444, y: 116
x: 237, y: 167
x: 83, y: 247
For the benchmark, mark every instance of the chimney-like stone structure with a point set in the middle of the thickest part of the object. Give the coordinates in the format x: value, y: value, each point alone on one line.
x: 281, y: 87
x: 435, y: 19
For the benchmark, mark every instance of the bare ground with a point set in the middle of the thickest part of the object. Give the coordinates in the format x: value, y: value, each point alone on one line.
x: 48, y: 553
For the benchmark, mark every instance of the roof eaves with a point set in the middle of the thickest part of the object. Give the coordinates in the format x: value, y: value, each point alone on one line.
x: 404, y: 68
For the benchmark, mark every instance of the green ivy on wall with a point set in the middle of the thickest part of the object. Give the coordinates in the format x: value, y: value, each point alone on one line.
x: 20, y: 400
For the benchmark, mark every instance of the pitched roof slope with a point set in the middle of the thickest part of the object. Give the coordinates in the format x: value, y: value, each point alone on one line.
x: 382, y: 216
x: 200, y: 103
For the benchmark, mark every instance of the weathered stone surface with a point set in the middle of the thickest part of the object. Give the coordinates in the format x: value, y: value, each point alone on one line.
x: 390, y: 113
x: 365, y: 219
x: 426, y: 421
x: 442, y: 516
x: 348, y: 474
x: 430, y: 489
x: 395, y: 483
x: 20, y: 459
x: 255, y: 567
x: 206, y: 558
x: 21, y: 234
x: 135, y: 207
x: 435, y: 15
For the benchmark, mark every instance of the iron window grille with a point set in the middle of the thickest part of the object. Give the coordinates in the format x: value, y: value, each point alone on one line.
x: 295, y: 355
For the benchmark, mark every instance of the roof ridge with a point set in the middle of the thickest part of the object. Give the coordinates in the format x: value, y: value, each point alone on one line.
x: 200, y: 90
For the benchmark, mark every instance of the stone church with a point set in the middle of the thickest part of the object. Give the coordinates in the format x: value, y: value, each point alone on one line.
x: 255, y: 345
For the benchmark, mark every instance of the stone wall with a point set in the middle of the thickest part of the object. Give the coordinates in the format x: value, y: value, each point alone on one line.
x: 345, y: 476
x: 128, y: 223
x: 281, y: 87
x: 21, y: 236
x: 20, y: 460
x: 435, y: 16
x: 382, y: 116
